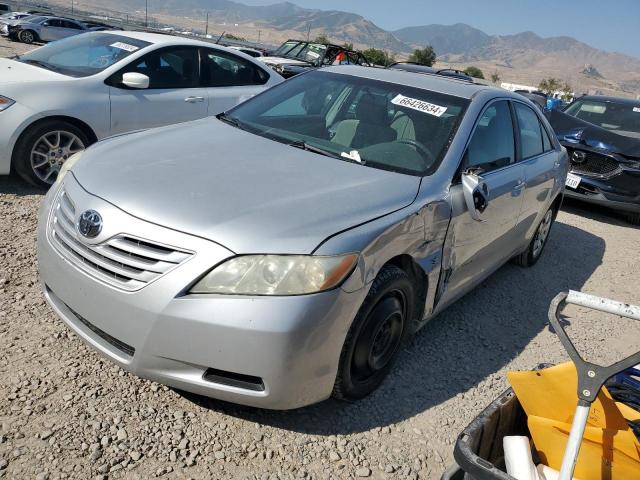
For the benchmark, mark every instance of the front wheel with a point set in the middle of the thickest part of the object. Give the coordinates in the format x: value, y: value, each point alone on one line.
x: 533, y: 252
x: 27, y: 36
x: 44, y: 147
x: 376, y: 335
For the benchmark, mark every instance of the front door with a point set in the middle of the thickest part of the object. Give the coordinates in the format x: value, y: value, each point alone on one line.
x: 174, y: 94
x: 479, y: 245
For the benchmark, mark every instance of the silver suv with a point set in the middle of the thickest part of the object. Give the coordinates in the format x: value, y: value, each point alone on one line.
x: 284, y: 251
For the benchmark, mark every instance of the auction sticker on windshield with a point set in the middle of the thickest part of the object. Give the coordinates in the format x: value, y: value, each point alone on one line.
x: 124, y: 46
x: 418, y: 105
x: 572, y: 181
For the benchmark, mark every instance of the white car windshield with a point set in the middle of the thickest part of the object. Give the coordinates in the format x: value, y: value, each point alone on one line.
x: 83, y: 55
x: 377, y: 124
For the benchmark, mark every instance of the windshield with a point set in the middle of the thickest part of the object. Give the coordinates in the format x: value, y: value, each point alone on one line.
x: 284, y: 48
x: 373, y: 123
x: 83, y: 55
x: 622, y: 118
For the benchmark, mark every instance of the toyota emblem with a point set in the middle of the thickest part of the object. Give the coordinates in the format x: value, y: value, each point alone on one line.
x: 90, y: 224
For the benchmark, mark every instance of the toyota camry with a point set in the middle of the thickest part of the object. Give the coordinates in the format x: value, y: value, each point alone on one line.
x: 282, y: 252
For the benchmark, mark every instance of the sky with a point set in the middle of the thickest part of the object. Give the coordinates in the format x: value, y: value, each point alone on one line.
x: 612, y: 25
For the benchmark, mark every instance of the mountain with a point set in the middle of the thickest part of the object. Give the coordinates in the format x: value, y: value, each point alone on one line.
x: 444, y: 39
x: 340, y: 27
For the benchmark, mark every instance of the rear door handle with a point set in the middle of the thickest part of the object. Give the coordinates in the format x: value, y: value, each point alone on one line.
x: 194, y: 99
x: 519, y: 185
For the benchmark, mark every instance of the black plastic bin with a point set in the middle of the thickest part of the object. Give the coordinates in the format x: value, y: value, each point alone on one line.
x: 478, y: 451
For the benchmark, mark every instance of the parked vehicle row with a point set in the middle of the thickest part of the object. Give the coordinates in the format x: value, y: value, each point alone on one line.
x: 46, y: 28
x: 60, y: 98
x: 283, y: 251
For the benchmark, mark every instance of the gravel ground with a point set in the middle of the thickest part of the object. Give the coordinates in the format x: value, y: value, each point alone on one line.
x: 67, y: 413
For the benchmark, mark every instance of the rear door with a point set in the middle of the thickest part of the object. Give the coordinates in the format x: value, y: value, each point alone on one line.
x: 230, y: 79
x: 480, y: 246
x: 70, y: 28
x: 174, y: 95
x: 540, y: 161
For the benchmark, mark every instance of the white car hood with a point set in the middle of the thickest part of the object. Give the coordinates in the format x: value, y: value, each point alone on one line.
x: 281, y: 61
x: 18, y: 72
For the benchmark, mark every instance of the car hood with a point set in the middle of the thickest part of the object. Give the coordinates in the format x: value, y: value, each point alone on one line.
x: 572, y: 130
x: 13, y: 72
x: 243, y: 191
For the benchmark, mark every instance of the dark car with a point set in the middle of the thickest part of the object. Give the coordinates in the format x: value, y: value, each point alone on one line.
x: 602, y: 137
x: 417, y: 68
x: 538, y: 98
x: 297, y: 56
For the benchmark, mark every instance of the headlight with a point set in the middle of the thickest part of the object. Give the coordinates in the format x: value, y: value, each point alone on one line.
x: 5, y: 103
x: 68, y: 165
x: 277, y: 275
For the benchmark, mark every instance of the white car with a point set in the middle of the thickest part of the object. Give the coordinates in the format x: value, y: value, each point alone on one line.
x: 62, y: 97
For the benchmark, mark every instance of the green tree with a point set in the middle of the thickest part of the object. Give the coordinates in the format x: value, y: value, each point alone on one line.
x: 322, y: 39
x: 495, y: 77
x: 347, y: 46
x: 423, y: 56
x: 378, y: 57
x: 549, y: 86
x: 567, y: 92
x: 474, y: 72
x: 231, y: 36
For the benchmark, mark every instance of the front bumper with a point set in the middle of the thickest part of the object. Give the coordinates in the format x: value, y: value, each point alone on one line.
x: 291, y: 345
x: 13, y: 121
x: 620, y: 192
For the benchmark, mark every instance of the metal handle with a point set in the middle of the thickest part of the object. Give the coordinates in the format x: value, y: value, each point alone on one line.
x: 519, y: 185
x: 194, y: 99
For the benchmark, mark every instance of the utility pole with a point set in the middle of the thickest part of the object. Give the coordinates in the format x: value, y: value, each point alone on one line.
x: 308, y: 30
x: 206, y: 27
x: 259, y: 33
x: 71, y: 7
x: 146, y: 13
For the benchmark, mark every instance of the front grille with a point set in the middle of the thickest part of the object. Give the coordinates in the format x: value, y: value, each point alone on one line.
x: 123, y: 261
x: 596, y: 165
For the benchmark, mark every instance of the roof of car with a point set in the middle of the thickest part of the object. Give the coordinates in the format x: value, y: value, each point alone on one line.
x: 436, y: 83
x: 603, y: 98
x: 161, y: 38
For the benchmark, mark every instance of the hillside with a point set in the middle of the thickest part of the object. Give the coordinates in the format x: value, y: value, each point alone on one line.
x: 521, y: 58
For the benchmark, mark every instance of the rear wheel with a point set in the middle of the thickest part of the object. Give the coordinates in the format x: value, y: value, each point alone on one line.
x: 376, y: 335
x: 27, y: 36
x: 533, y: 252
x: 44, y: 147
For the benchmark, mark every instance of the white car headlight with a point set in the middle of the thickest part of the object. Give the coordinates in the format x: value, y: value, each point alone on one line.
x: 5, y: 103
x: 67, y: 165
x: 277, y: 275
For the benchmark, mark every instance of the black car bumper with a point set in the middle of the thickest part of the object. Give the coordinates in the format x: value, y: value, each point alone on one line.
x: 605, y: 181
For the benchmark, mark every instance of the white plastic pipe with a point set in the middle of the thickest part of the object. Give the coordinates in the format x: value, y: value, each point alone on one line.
x: 517, y: 458
x: 604, y: 304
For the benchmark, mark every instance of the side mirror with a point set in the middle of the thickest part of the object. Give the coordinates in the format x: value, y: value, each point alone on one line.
x: 135, y: 80
x: 476, y: 194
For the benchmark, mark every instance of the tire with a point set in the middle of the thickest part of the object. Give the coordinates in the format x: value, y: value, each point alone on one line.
x: 532, y: 254
x: 28, y: 36
x: 380, y: 328
x: 633, y: 218
x: 31, y: 150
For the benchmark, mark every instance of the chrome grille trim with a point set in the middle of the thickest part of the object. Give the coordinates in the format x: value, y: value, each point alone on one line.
x: 123, y: 261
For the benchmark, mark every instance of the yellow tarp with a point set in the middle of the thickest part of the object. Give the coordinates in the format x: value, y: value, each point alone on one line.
x: 609, y: 451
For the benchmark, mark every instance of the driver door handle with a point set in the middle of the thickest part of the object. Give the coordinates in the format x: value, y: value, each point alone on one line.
x: 194, y: 99
x: 519, y: 185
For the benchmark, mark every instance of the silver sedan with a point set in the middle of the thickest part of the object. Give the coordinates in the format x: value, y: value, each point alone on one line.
x: 282, y: 252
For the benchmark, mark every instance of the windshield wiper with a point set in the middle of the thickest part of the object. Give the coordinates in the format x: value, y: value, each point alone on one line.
x: 310, y: 148
x: 38, y: 63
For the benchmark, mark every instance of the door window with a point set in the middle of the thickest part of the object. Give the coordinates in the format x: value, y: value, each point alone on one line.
x: 175, y: 67
x: 53, y: 23
x: 221, y: 69
x: 492, y: 145
x: 530, y: 131
x: 72, y: 25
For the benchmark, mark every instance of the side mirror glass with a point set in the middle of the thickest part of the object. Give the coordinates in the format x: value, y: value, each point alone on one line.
x: 476, y: 194
x: 135, y: 80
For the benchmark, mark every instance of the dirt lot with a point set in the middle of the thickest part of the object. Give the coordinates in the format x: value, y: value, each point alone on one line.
x: 67, y: 413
